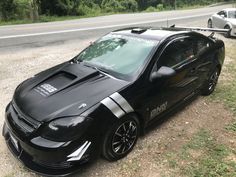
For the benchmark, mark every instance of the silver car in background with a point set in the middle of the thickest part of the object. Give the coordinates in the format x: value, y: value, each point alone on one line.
x: 226, y: 19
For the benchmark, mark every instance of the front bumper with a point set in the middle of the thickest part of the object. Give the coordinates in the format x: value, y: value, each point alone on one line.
x: 44, y: 156
x: 45, y: 162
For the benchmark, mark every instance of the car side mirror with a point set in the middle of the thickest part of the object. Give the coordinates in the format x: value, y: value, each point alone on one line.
x: 163, y: 72
x: 223, y: 16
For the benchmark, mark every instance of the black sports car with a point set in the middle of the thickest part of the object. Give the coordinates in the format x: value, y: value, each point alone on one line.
x: 103, y: 99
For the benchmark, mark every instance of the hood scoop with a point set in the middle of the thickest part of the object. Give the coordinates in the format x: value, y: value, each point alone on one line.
x: 64, y: 79
x: 67, y: 90
x: 54, y: 84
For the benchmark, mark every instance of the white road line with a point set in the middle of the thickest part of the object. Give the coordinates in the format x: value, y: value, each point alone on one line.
x: 101, y: 27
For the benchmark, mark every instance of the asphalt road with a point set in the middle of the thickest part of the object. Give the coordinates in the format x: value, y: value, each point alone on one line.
x: 18, y: 37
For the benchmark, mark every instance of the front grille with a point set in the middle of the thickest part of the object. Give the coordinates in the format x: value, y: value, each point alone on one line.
x: 16, y: 121
x: 58, y: 165
x: 19, y: 120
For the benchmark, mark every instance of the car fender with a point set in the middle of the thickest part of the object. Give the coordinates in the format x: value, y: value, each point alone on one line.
x: 229, y: 24
x: 211, y: 20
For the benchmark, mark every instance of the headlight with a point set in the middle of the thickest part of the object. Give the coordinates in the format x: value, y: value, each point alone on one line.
x: 65, y: 129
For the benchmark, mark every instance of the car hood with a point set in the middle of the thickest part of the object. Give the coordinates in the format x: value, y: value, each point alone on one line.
x: 232, y: 20
x: 68, y: 89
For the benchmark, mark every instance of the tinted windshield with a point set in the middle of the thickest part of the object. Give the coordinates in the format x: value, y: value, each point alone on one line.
x: 232, y: 14
x: 119, y: 55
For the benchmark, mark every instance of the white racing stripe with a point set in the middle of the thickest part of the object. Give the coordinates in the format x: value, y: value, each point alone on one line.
x: 114, y: 108
x: 101, y: 27
x: 122, y: 102
x: 117, y: 105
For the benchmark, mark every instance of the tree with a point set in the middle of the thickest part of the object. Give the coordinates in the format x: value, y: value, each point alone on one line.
x: 7, y: 9
x: 130, y: 5
x: 34, y: 9
x: 59, y: 7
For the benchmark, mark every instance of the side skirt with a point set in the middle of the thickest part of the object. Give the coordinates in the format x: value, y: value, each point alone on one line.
x: 168, y: 114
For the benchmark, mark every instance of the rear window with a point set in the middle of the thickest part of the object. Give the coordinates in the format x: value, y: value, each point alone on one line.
x: 202, y: 45
x: 232, y: 14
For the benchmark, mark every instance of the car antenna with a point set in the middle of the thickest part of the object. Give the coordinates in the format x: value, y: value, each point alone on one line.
x: 167, y: 23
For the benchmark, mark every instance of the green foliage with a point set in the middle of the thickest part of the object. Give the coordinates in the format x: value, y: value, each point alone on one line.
x: 151, y: 9
x: 7, y: 9
x: 18, y: 9
x: 33, y: 9
x: 119, y: 5
x: 23, y: 9
x: 59, y: 7
x: 83, y: 9
x: 112, y: 6
x: 130, y: 5
x: 160, y: 7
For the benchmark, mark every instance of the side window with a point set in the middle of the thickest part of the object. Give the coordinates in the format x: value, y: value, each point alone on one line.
x: 222, y: 13
x: 178, y: 52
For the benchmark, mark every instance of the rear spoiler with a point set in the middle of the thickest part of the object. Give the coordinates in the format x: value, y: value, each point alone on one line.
x: 140, y: 30
x: 183, y: 28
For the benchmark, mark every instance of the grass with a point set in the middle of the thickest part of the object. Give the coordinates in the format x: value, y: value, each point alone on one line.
x: 226, y: 90
x: 227, y: 95
x: 231, y: 127
x: 44, y: 18
x: 203, y: 156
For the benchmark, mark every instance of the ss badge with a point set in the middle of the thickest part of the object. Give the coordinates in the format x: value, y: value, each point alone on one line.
x: 158, y: 110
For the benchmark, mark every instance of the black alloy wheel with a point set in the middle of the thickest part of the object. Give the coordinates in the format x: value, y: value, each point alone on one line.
x: 211, y: 83
x: 121, y: 138
x: 124, y: 137
x: 213, y: 80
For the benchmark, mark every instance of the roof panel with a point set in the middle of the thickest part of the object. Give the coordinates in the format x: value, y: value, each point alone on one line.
x: 154, y: 34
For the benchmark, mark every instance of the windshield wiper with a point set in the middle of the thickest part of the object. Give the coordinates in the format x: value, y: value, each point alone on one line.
x: 76, y: 60
x: 90, y: 66
x: 103, y: 70
x: 96, y: 68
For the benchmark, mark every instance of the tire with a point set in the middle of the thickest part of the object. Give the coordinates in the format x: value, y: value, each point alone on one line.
x: 121, y: 138
x: 211, y: 83
x: 227, y: 35
x: 209, y: 24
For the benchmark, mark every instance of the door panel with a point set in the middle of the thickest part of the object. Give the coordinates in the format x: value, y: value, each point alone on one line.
x: 219, y: 20
x: 205, y: 57
x: 164, y: 93
x: 215, y: 20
